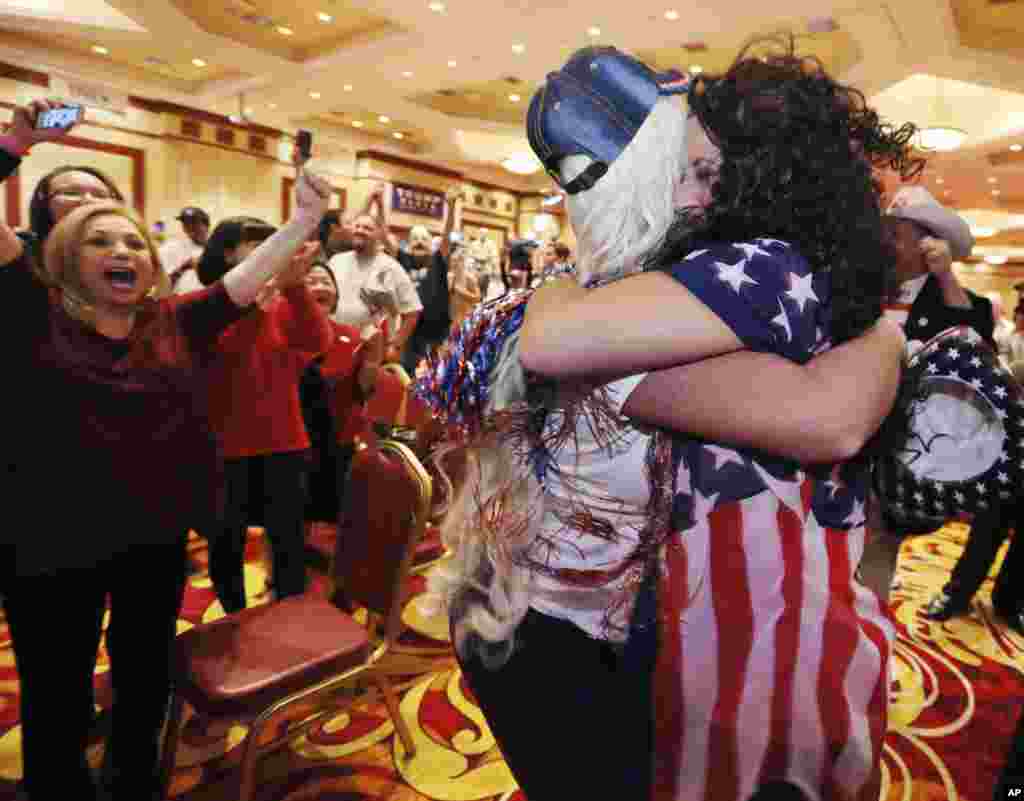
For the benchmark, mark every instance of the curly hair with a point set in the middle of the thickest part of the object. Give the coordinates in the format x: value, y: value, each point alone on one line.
x: 799, y: 155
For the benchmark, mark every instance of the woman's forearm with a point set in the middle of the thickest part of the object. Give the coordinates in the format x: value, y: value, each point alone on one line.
x: 11, y: 246
x: 244, y: 282
x: 823, y: 411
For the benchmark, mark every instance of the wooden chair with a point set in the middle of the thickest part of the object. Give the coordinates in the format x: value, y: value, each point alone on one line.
x: 254, y: 664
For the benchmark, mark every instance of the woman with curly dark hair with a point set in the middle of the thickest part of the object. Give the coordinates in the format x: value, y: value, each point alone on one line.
x: 771, y: 675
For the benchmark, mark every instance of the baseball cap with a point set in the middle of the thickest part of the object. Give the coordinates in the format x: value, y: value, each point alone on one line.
x: 193, y: 214
x: 594, y: 106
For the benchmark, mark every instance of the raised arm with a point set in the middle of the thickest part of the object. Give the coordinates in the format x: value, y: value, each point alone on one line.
x: 451, y: 197
x: 302, y: 323
x: 763, y: 401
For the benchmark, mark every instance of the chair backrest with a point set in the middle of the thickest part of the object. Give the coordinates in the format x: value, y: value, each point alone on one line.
x: 387, y: 505
x: 387, y: 403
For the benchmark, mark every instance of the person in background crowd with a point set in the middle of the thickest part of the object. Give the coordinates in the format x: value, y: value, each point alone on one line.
x: 253, y: 379
x: 465, y: 287
x: 374, y: 288
x: 335, y: 388
x: 548, y: 256
x: 778, y: 248
x: 563, y: 254
x: 517, y: 272
x: 1003, y: 327
x: 335, y: 234
x: 1012, y: 345
x: 109, y: 380
x: 179, y: 256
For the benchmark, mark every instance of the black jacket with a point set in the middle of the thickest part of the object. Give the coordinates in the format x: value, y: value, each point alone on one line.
x: 930, y: 315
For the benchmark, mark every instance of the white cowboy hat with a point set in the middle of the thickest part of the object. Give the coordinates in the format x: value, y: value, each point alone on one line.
x: 917, y: 204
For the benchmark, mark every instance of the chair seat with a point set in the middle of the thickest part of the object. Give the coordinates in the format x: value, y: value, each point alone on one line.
x: 430, y: 547
x: 289, y: 645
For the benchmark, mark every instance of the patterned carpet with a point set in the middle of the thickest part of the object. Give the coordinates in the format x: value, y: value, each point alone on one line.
x: 956, y: 694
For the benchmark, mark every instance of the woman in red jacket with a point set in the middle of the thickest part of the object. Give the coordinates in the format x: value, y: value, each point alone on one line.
x: 253, y: 382
x: 109, y: 418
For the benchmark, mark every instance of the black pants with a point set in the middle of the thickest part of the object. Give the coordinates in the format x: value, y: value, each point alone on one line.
x: 987, y: 533
x: 564, y: 693
x: 55, y: 652
x: 283, y: 480
x: 1012, y: 776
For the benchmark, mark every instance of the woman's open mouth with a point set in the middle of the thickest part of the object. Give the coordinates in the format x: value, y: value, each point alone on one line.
x: 122, y: 280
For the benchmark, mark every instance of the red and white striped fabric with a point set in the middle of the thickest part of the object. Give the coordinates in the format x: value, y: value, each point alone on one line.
x: 773, y: 661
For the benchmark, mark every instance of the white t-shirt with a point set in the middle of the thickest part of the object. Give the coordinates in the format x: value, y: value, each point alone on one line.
x: 618, y: 472
x: 189, y: 282
x: 380, y: 272
x: 175, y: 253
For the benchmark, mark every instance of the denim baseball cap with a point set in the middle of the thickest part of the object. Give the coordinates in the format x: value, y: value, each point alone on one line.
x: 594, y: 106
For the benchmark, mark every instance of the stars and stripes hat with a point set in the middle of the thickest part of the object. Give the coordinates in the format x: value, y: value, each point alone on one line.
x: 594, y: 106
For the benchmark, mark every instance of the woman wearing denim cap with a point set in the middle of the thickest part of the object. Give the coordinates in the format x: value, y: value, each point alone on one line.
x: 565, y: 499
x: 772, y: 665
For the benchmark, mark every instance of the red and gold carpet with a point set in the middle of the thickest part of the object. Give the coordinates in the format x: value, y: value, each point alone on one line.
x: 957, y: 690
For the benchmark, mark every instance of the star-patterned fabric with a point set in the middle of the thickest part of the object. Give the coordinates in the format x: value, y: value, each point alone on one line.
x: 773, y: 659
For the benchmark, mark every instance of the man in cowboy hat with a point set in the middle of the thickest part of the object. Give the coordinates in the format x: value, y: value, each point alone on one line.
x: 927, y: 237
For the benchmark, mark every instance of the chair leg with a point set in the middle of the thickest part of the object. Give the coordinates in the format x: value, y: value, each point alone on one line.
x: 391, y: 702
x: 250, y: 749
x: 171, y: 741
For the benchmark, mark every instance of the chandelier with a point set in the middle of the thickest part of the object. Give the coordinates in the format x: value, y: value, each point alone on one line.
x: 939, y: 135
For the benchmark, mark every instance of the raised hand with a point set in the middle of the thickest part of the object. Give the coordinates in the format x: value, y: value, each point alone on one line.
x: 937, y: 255
x: 23, y: 134
x: 302, y: 262
x: 312, y: 195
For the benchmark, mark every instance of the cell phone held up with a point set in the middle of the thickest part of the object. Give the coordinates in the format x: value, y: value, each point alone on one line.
x: 60, y: 117
x: 304, y: 145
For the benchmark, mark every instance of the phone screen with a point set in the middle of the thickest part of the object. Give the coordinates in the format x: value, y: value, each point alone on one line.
x: 304, y: 143
x: 60, y: 117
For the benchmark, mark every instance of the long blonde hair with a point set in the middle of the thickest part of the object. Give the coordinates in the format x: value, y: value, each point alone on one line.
x: 63, y: 247
x: 486, y: 585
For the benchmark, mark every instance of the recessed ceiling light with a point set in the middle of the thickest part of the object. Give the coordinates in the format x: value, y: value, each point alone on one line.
x: 514, y: 98
x: 198, y: 62
x: 672, y: 15
x: 248, y: 110
x: 993, y: 180
x: 453, y: 63
x: 947, y: 193
x: 347, y: 87
x: 398, y: 135
x: 1016, y: 148
x: 314, y: 95
x: 437, y: 7
x: 696, y: 69
x: 407, y: 74
x: 384, y: 119
x: 519, y: 49
x: 323, y: 16
x: 100, y: 49
x: 594, y: 31
x: 996, y: 192
x: 284, y: 31
x: 940, y: 180
x: 271, y: 105
x: 356, y: 124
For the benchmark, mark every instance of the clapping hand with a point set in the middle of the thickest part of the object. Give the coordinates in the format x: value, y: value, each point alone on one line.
x: 23, y: 131
x: 302, y: 262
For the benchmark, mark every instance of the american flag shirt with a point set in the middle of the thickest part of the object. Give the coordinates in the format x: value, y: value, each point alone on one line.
x: 773, y: 659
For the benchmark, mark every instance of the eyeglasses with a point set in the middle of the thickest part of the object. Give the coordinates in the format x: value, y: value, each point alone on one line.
x: 82, y: 194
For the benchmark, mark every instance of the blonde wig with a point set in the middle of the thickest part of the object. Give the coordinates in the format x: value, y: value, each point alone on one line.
x: 63, y: 246
x: 486, y: 585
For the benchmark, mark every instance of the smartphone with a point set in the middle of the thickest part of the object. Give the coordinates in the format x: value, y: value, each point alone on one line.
x: 304, y: 144
x: 60, y: 117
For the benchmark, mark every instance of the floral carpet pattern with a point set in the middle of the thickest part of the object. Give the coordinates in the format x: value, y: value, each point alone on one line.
x: 956, y: 693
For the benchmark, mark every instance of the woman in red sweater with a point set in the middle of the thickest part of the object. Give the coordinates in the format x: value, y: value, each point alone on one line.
x: 108, y: 425
x: 253, y: 382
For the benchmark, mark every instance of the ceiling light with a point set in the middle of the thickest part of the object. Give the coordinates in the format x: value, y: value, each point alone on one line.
x: 947, y: 193
x: 248, y: 110
x: 522, y: 163
x: 198, y: 62
x: 995, y: 258
x: 384, y: 119
x: 696, y: 69
x: 672, y: 15
x: 996, y: 192
x: 993, y: 180
x: 323, y: 16
x: 941, y: 138
x: 407, y: 74
x: 453, y: 63
x: 593, y: 31
x: 436, y: 7
x: 940, y: 180
x: 518, y: 49
x: 100, y: 49
x: 271, y: 105
x: 356, y: 124
x: 347, y: 87
x: 1016, y: 148
x: 315, y: 95
x: 398, y: 135
x: 284, y: 31
x: 514, y: 98
x: 982, y: 231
